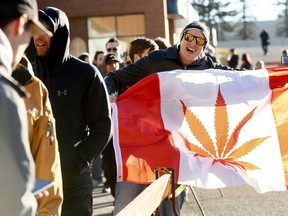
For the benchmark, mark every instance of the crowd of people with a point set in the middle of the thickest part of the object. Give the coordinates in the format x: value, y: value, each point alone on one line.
x: 62, y: 132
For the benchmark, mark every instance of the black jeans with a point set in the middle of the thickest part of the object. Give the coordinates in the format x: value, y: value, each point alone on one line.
x: 109, y: 167
x: 77, y: 206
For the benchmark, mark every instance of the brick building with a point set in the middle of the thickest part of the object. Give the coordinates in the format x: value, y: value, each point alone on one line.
x: 93, y: 22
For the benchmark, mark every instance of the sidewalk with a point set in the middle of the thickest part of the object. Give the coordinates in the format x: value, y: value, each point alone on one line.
x: 102, y: 202
x: 236, y: 201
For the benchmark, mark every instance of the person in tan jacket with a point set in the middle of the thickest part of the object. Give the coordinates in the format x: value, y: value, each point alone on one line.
x: 42, y: 137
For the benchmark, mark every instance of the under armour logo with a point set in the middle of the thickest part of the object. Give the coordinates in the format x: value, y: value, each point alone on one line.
x: 59, y: 93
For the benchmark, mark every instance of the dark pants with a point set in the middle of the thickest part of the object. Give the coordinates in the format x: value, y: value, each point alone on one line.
x: 109, y: 167
x: 78, y: 206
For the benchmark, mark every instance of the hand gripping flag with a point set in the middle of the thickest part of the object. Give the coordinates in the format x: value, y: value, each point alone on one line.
x: 216, y: 128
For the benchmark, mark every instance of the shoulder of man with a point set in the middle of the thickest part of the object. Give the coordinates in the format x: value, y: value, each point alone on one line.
x: 14, y: 84
x: 84, y: 67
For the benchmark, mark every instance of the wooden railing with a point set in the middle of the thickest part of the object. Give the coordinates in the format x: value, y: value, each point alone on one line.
x: 150, y: 199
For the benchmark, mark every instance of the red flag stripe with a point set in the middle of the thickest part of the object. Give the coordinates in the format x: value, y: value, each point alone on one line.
x: 278, y: 79
x: 140, y: 160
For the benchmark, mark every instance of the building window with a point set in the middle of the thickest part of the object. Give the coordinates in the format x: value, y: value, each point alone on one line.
x: 124, y: 27
x: 129, y: 25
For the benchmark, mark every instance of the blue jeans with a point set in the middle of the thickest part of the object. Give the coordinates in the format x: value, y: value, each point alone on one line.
x: 125, y: 192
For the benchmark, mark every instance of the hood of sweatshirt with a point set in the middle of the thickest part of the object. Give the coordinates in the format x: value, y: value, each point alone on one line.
x: 59, y: 48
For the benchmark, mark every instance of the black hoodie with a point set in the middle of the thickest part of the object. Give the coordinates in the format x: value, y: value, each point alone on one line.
x: 79, y: 101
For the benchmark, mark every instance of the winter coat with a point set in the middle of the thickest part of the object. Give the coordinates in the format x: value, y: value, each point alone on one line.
x: 79, y: 102
x: 42, y: 138
x: 16, y: 163
x: 156, y: 61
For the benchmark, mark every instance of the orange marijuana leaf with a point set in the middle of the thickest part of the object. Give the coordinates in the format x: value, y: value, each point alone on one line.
x: 194, y: 148
x: 246, y: 148
x: 221, y: 122
x: 247, y: 165
x: 229, y: 163
x: 222, y: 151
x: 198, y: 130
x: 241, y: 164
x: 235, y: 134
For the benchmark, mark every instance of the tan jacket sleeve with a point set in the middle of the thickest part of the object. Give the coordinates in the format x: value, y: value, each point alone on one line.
x: 16, y: 162
x: 44, y: 146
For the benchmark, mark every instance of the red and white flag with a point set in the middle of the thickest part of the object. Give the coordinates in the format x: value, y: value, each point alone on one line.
x: 216, y: 128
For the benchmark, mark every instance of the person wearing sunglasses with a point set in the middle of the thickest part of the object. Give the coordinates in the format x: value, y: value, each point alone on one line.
x: 113, y: 46
x: 188, y: 55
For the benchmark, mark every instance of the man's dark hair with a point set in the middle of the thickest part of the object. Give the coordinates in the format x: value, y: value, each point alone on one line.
x: 139, y: 44
x: 111, y: 40
x: 163, y: 43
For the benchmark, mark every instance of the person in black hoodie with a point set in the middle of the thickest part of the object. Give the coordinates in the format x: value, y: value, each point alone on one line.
x: 80, y: 105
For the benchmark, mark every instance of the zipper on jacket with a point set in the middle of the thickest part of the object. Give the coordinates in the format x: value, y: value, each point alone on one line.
x: 49, y: 132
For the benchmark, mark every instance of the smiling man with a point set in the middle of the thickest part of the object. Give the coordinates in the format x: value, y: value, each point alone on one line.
x: 187, y: 55
x: 80, y: 106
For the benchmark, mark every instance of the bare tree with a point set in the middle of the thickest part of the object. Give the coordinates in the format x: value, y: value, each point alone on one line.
x: 225, y: 18
x: 247, y: 30
x: 282, y: 24
x: 214, y: 13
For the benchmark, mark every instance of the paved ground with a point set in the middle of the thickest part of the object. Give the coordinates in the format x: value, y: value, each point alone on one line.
x: 102, y: 202
x: 236, y: 201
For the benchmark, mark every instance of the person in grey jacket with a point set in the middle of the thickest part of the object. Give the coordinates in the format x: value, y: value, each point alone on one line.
x: 18, y: 20
x: 187, y: 55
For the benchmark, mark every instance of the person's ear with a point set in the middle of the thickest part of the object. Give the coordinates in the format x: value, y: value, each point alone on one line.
x: 136, y: 57
x: 20, y: 24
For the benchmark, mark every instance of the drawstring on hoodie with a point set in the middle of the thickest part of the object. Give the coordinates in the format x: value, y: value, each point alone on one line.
x: 49, y: 132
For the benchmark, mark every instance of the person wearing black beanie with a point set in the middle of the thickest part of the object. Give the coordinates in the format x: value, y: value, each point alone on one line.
x: 188, y: 54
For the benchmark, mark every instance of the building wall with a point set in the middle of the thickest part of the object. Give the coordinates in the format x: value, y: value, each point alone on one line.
x: 155, y: 12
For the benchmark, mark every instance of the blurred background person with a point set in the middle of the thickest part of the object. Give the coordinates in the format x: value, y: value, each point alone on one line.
x: 96, y: 166
x: 210, y: 51
x: 98, y: 58
x: 233, y: 59
x: 162, y: 43
x: 140, y: 47
x: 125, y: 58
x: 260, y: 64
x: 113, y: 46
x: 246, y: 62
x: 84, y: 56
x: 264, y: 41
x: 284, y: 57
x: 110, y: 63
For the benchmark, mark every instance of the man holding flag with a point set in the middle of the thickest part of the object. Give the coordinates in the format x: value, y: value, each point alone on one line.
x: 187, y: 55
